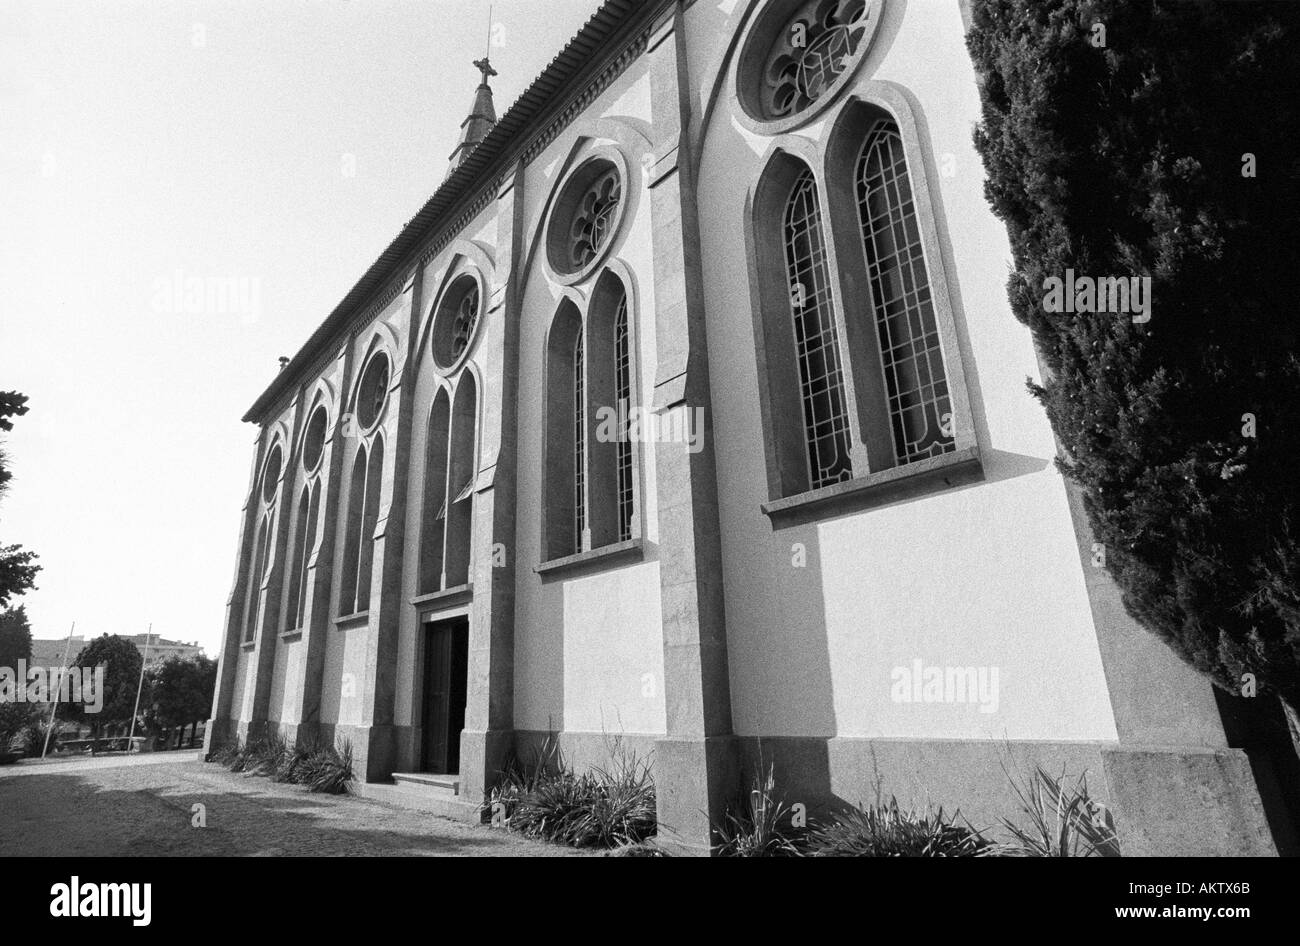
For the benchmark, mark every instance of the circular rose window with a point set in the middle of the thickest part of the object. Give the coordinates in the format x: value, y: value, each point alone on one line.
x: 586, y: 216
x: 800, y: 53
x: 313, y: 443
x: 373, y: 391
x: 271, y: 474
x: 458, y: 314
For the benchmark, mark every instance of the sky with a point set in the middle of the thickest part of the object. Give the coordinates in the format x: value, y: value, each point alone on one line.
x: 275, y: 147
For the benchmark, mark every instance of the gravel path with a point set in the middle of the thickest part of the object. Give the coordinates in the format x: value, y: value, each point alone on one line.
x: 143, y: 805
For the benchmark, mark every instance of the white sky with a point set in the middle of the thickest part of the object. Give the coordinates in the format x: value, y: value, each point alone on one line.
x: 210, y: 139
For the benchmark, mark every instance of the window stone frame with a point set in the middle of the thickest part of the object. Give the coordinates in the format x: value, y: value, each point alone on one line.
x: 877, y: 477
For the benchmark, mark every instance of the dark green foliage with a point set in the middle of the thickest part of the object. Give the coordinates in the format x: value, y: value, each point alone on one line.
x: 121, y: 661
x: 326, y: 769
x: 15, y: 718
x: 17, y: 571
x: 1057, y: 821
x: 226, y: 755
x: 887, y: 831
x: 610, y: 807
x: 317, y: 765
x: 759, y: 825
x: 1128, y: 160
x: 15, y: 637
x: 178, y: 692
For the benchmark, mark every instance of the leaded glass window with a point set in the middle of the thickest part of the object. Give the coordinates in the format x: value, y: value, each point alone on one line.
x: 916, y: 383
x: 821, y: 379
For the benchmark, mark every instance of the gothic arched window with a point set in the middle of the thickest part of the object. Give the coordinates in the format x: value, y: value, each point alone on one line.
x: 462, y: 472
x: 623, y: 410
x: 812, y: 310
x: 267, y: 492
x: 256, y: 578
x: 563, y: 506
x: 434, y: 527
x: 860, y: 368
x: 591, y: 450
x: 920, y: 410
x: 579, y: 447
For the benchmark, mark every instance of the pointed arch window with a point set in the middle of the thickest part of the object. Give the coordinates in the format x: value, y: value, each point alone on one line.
x: 304, y: 542
x: 821, y: 380
x: 623, y: 410
x: 591, y: 444
x: 920, y: 409
x: 860, y: 371
x: 579, y: 447
x: 267, y: 492
x: 363, y: 518
x: 256, y: 579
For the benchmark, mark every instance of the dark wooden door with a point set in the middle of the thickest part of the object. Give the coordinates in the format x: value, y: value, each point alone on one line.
x: 446, y: 667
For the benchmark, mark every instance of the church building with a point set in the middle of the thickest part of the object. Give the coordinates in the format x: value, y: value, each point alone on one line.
x: 689, y: 414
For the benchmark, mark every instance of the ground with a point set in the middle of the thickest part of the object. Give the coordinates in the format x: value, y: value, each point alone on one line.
x: 144, y: 805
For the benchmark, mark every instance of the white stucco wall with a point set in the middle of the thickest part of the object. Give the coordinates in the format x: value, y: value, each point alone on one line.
x: 985, y: 575
x: 588, y: 648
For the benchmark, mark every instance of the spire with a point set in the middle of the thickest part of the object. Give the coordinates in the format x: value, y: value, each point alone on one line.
x: 482, y: 116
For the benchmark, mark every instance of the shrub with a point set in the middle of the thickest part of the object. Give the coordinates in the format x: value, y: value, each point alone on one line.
x: 760, y: 825
x: 318, y: 766
x: 1060, y: 821
x: 519, y: 778
x: 226, y: 754
x: 326, y: 769
x: 887, y: 831
x: 608, y: 807
x: 15, y: 717
x: 1167, y: 153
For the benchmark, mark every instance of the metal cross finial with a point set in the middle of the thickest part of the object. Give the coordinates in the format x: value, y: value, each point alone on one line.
x: 485, y: 67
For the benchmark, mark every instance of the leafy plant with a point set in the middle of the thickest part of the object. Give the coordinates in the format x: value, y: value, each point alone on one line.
x: 611, y: 807
x: 519, y: 778
x: 317, y: 765
x: 761, y: 825
x: 326, y: 769
x: 1059, y: 821
x: 885, y: 830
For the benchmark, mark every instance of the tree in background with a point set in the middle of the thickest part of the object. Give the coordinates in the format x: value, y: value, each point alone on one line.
x: 15, y: 637
x: 178, y: 692
x: 1160, y: 139
x: 17, y: 573
x: 121, y: 661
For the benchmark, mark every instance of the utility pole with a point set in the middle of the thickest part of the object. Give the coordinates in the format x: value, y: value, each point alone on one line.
x: 54, y: 703
x: 130, y: 740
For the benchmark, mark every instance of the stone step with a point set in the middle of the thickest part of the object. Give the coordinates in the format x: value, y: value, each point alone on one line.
x: 449, y: 782
x: 415, y: 796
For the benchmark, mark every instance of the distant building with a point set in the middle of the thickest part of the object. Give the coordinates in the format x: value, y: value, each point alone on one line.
x: 50, y: 653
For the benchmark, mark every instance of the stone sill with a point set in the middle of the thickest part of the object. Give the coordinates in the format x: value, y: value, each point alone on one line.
x: 352, y: 620
x: 876, y: 489
x: 292, y: 634
x: 457, y: 594
x: 628, y: 549
x: 247, y: 645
